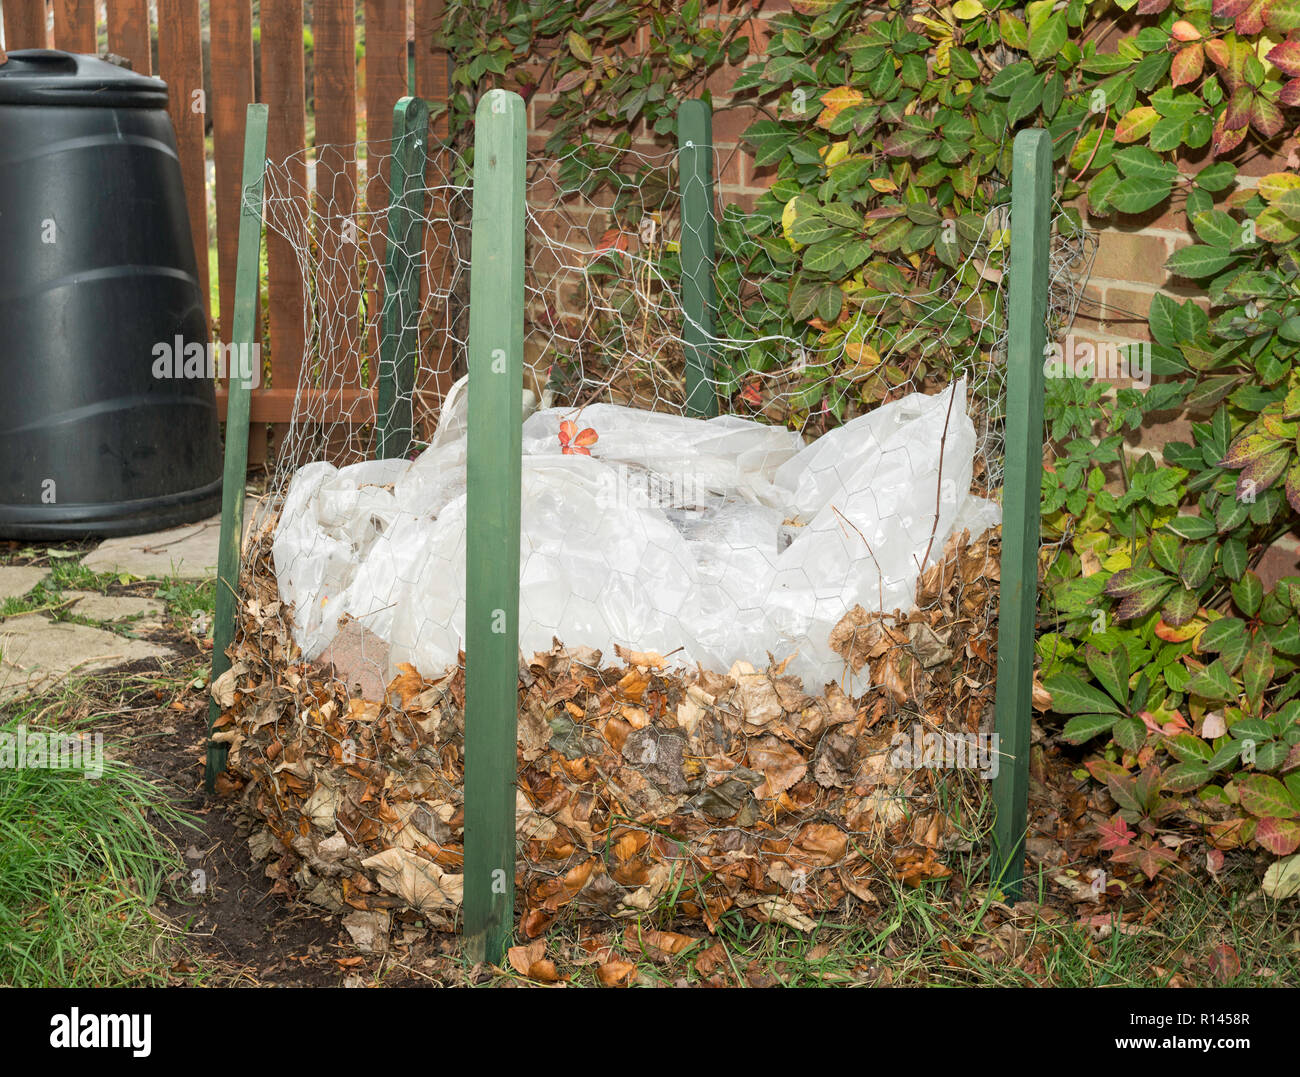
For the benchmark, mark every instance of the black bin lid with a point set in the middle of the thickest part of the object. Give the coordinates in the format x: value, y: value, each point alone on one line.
x: 50, y: 77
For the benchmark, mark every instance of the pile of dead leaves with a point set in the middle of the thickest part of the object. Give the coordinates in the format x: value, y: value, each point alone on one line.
x: 640, y: 789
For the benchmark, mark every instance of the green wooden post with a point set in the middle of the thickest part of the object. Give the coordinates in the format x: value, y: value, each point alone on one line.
x: 496, y: 383
x: 399, y: 347
x: 1031, y: 200
x: 242, y: 336
x: 699, y: 301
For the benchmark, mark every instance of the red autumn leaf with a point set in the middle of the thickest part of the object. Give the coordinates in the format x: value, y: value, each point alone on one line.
x: 1289, y: 95
x: 1266, y: 117
x: 1251, y: 21
x: 575, y: 442
x: 1182, y: 30
x: 1285, y: 57
x: 1225, y: 140
x: 1281, y: 837
x: 1115, y: 833
x: 1187, y: 65
x: 1224, y: 963
x: 612, y: 240
x: 1148, y: 858
x: 1237, y: 114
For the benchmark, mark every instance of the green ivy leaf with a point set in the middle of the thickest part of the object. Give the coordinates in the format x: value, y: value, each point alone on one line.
x: 1110, y: 667
x: 1232, y: 556
x: 1129, y: 733
x: 1131, y: 581
x: 1046, y: 40
x: 1212, y: 683
x: 1136, y: 194
x: 1247, y: 593
x: 1263, y: 796
x: 1196, y: 564
x: 1191, y: 527
x: 1086, y: 726
x: 1073, y: 695
x: 1186, y: 777
x: 1198, y: 260
x: 1217, y: 229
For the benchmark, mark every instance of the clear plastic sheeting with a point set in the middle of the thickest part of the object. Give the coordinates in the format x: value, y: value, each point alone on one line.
x: 708, y: 541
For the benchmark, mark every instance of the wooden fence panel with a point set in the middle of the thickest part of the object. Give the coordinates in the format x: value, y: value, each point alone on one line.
x: 128, y: 33
x: 74, y: 26
x: 180, y: 65
x: 433, y: 82
x: 24, y: 22
x: 336, y: 180
x: 283, y: 92
x: 231, y: 52
x: 386, y: 82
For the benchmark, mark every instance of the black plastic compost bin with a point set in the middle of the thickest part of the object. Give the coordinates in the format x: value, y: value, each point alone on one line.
x: 100, y: 432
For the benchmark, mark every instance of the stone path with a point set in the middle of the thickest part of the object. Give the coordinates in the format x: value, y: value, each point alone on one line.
x: 36, y: 652
x: 188, y: 552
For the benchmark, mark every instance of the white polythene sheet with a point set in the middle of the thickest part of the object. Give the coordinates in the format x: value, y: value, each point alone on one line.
x: 666, y: 538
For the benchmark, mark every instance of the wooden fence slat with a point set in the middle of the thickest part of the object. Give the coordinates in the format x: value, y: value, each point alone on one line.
x: 231, y: 52
x: 432, y: 83
x: 180, y: 64
x: 128, y: 33
x: 74, y: 26
x: 281, y: 405
x: 285, y: 96
x: 431, y: 74
x: 386, y: 83
x: 24, y: 22
x: 336, y: 182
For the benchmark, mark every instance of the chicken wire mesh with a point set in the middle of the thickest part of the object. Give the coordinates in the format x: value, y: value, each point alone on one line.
x: 757, y: 651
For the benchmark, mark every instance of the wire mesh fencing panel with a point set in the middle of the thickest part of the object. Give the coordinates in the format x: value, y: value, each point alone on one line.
x: 757, y: 650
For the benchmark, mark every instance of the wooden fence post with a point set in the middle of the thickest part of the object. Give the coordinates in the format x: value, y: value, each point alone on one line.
x: 244, y: 342
x: 496, y: 352
x: 399, y: 346
x: 1031, y: 225
x: 695, y: 180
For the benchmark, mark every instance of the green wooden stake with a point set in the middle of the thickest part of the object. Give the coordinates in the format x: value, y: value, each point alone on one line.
x: 400, y: 345
x: 242, y: 333
x: 1031, y: 199
x: 496, y: 384
x: 699, y: 301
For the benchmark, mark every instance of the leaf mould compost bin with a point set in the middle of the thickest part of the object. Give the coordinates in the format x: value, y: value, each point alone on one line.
x: 524, y: 613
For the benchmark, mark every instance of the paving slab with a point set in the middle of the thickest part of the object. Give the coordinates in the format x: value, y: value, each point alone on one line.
x: 17, y: 580
x: 188, y: 552
x: 36, y: 653
x: 99, y: 607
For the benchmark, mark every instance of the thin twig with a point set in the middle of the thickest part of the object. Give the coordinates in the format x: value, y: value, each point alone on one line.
x: 938, y: 488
